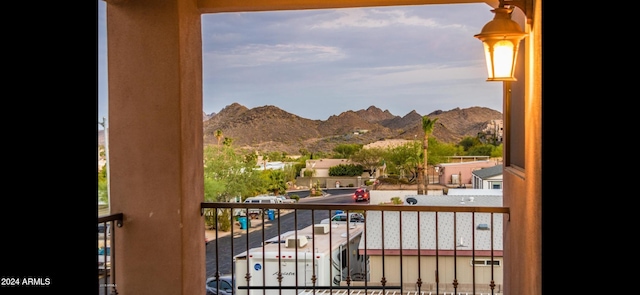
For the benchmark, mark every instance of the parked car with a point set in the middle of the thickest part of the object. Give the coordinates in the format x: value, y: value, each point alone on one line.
x: 361, y: 194
x: 286, y: 199
x: 227, y: 285
x: 104, y: 259
x: 254, y: 213
x: 342, y: 218
x: 102, y: 229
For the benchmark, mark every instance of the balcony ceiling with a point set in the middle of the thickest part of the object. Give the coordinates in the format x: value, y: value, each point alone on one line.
x: 215, y: 6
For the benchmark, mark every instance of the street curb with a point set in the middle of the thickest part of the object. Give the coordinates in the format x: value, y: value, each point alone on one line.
x: 210, y: 234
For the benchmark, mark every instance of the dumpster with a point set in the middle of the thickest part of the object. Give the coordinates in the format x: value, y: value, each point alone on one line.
x: 271, y: 214
x: 243, y: 222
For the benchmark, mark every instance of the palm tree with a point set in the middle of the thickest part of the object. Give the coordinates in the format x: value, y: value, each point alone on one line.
x: 309, y: 173
x: 427, y: 128
x: 218, y: 135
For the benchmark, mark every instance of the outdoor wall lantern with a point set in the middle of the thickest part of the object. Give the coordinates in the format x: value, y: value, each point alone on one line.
x: 500, y: 38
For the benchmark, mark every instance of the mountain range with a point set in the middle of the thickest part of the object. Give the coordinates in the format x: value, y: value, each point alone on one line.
x: 269, y: 128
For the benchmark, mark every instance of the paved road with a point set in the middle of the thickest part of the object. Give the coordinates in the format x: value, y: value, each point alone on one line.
x: 286, y: 223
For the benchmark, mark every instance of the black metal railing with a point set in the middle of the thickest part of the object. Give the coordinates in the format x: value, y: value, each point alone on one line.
x: 107, y: 252
x: 398, y: 248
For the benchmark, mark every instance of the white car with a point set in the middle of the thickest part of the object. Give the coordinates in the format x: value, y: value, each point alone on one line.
x: 342, y: 218
x: 286, y: 199
x: 261, y: 199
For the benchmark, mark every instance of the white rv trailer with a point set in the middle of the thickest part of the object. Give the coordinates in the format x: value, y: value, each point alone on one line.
x: 330, y: 252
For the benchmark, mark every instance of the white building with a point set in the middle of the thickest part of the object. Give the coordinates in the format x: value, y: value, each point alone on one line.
x: 487, y: 178
x: 277, y: 165
x: 413, y: 248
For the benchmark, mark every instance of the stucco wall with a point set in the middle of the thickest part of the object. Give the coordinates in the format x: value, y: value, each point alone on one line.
x: 464, y: 170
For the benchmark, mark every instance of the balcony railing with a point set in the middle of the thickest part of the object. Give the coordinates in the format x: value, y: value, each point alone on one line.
x: 107, y: 253
x: 398, y: 249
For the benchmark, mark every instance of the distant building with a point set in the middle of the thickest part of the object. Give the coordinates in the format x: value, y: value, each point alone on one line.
x: 277, y: 165
x: 321, y: 166
x: 493, y: 133
x: 360, y: 131
x: 487, y: 178
x: 460, y: 174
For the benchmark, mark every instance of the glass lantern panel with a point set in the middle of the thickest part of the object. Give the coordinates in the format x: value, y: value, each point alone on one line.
x: 503, y: 58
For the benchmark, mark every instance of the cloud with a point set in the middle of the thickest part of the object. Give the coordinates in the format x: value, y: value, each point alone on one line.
x: 253, y: 55
x: 377, y: 18
x: 318, y: 63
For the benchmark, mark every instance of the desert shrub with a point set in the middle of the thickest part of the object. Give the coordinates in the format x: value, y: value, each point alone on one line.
x: 389, y: 180
x: 224, y: 220
x: 209, y: 219
x: 346, y: 170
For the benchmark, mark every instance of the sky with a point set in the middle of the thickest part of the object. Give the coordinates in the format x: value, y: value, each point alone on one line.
x: 319, y: 63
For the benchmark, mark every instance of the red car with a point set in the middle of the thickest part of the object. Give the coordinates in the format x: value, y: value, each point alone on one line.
x: 361, y: 194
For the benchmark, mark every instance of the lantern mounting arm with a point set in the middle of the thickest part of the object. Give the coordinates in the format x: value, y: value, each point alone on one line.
x: 525, y: 5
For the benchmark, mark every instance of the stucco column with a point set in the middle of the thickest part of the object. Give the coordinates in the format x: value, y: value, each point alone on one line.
x: 155, y: 145
x: 522, y: 190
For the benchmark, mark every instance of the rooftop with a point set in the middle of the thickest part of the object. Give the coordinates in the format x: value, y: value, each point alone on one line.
x: 324, y: 242
x: 469, y: 227
x: 488, y: 172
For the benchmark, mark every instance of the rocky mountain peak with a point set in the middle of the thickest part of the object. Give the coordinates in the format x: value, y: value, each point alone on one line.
x: 269, y: 128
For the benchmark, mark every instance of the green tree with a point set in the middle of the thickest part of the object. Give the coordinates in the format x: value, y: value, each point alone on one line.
x: 481, y: 150
x: 403, y: 160
x: 275, y: 156
x: 438, y: 152
x: 427, y: 128
x: 290, y: 173
x: 467, y: 142
x: 346, y: 170
x: 228, y: 174
x: 276, y: 181
x: 497, y: 152
x: 370, y: 159
x: 103, y: 187
x: 345, y: 151
x: 297, y: 167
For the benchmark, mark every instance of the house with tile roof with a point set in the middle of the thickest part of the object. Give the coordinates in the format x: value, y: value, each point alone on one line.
x: 466, y: 247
